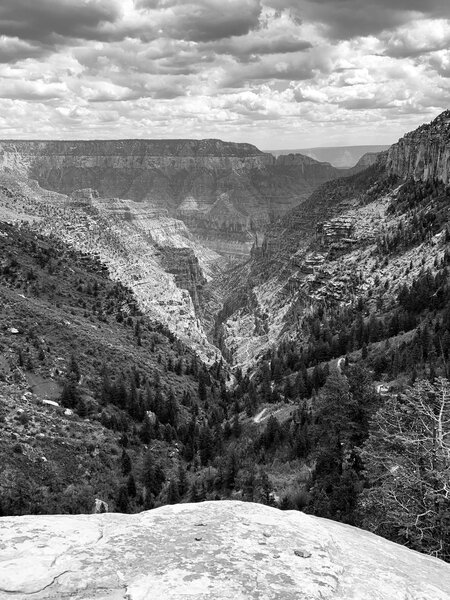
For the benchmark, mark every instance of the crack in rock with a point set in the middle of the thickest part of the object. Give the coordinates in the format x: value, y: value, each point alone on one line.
x: 52, y: 582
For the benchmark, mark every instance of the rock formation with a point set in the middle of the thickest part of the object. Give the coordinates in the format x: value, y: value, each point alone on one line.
x: 423, y: 153
x: 339, y: 156
x: 150, y: 252
x: 186, y: 177
x: 211, y: 550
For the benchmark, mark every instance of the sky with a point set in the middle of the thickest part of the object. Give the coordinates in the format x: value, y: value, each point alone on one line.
x: 275, y: 73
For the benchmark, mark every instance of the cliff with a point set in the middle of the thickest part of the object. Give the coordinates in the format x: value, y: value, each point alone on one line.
x: 423, y: 154
x: 312, y: 253
x: 342, y: 157
x: 211, y: 550
x: 169, y: 174
x: 148, y: 251
x: 342, y: 221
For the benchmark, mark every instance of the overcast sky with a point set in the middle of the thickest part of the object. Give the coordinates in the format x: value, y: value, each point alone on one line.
x: 276, y: 73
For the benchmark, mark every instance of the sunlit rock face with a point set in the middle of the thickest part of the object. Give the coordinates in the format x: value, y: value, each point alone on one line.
x: 424, y: 153
x: 148, y: 251
x: 188, y: 178
x: 216, y: 550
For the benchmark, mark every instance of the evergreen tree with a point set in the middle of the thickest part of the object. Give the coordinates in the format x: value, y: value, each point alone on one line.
x: 131, y: 486
x: 173, y: 493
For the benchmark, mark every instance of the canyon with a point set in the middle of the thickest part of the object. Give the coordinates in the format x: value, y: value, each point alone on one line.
x: 224, y: 192
x: 170, y: 218
x: 151, y: 253
x: 325, y: 249
x: 312, y: 305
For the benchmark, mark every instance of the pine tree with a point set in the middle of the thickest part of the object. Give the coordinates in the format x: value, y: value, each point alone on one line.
x: 131, y: 486
x: 126, y: 463
x: 122, y: 500
x: 173, y: 494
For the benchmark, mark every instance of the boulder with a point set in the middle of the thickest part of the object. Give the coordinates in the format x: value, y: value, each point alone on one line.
x: 210, y: 550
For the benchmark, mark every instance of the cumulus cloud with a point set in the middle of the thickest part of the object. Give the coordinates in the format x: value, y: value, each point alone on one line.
x: 440, y: 61
x: 285, y: 67
x: 345, y: 19
x: 48, y: 21
x: 204, y: 20
x: 13, y: 49
x: 255, y: 46
x: 32, y: 90
x: 301, y: 72
x: 418, y: 38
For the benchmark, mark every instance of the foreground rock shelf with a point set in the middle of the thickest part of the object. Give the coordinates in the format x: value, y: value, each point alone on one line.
x: 211, y: 550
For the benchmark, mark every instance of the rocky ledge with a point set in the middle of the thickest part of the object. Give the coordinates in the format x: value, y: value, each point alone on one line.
x: 211, y: 550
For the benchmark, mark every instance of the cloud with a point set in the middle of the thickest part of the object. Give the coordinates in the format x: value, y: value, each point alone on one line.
x: 49, y: 21
x: 301, y: 72
x: 204, y: 20
x: 346, y: 19
x: 109, y: 92
x: 32, y: 90
x: 419, y: 38
x: 260, y: 44
x: 285, y: 67
x: 14, y: 49
x: 440, y: 61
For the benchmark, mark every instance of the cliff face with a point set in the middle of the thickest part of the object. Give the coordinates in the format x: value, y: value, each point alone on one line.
x: 210, y: 550
x: 423, y: 154
x: 170, y: 173
x: 148, y: 251
x: 321, y: 249
x: 313, y: 253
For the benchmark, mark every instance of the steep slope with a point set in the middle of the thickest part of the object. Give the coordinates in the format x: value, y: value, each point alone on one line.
x: 211, y: 550
x: 171, y: 174
x: 145, y: 249
x: 295, y: 259
x: 87, y: 384
x: 328, y: 248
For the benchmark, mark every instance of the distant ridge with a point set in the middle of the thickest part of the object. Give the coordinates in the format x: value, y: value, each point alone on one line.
x: 338, y: 156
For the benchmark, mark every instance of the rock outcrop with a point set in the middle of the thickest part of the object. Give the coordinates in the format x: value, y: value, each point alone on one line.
x: 367, y: 160
x: 214, y: 550
x: 189, y: 178
x: 423, y: 154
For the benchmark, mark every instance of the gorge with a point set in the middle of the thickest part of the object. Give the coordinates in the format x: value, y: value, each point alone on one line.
x: 224, y: 192
x: 169, y: 336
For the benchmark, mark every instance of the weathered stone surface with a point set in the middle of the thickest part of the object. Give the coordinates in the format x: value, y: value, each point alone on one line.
x: 424, y: 153
x: 214, y: 550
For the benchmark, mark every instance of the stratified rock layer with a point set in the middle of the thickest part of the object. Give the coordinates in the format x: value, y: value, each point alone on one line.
x: 149, y: 252
x: 189, y: 178
x: 215, y: 550
x: 423, y: 154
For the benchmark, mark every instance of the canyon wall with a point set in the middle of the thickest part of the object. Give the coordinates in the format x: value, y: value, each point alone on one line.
x: 423, y: 154
x: 225, y: 192
x: 322, y: 250
x: 151, y: 253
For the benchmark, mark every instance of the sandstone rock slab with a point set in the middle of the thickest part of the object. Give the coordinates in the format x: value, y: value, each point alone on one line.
x: 210, y: 550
